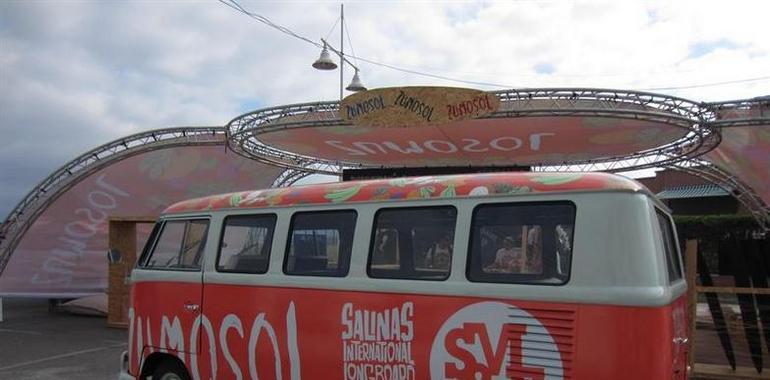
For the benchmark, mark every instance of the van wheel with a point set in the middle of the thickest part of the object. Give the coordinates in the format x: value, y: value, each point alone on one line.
x: 170, y: 370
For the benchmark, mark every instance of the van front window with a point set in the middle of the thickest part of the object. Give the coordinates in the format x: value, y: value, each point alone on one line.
x: 180, y: 245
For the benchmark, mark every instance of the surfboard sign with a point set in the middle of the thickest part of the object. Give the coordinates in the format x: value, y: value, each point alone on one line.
x: 416, y: 106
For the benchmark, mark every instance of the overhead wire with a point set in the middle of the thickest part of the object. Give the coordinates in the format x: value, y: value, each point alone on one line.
x: 233, y: 4
x: 332, y: 28
x: 236, y: 6
x: 350, y: 42
x: 436, y: 76
x: 747, y: 80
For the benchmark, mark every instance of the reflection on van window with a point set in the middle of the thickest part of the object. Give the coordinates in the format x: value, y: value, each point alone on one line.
x: 563, y: 248
x: 246, y: 243
x: 413, y: 243
x: 320, y: 243
x: 180, y: 245
x: 521, y: 243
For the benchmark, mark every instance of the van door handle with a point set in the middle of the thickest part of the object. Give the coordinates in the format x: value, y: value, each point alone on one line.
x: 681, y: 341
x: 192, y: 307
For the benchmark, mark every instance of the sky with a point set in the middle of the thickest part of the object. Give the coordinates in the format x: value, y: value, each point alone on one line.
x: 75, y: 75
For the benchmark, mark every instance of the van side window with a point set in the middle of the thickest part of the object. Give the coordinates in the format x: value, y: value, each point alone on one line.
x: 673, y: 263
x: 180, y: 245
x: 246, y: 243
x: 320, y: 243
x: 521, y: 243
x: 412, y: 243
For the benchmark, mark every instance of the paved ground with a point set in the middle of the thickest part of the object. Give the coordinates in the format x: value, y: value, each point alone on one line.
x: 38, y: 345
x: 709, y: 350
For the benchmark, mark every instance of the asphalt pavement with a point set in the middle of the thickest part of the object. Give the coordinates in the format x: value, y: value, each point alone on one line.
x: 37, y: 344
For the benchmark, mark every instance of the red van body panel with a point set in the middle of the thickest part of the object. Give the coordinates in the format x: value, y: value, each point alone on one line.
x: 256, y: 332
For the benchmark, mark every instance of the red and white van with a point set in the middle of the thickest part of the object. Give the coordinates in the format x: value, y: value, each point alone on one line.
x: 482, y: 276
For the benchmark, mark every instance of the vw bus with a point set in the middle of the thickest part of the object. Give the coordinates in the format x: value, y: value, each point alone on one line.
x: 479, y: 276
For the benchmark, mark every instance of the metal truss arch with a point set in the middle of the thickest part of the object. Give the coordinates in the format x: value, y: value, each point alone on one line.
x: 740, y: 113
x: 700, y: 136
x: 290, y: 176
x: 242, y: 132
x: 732, y: 184
x: 49, y: 189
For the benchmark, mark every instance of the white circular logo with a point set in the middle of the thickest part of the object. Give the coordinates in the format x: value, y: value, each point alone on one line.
x: 494, y: 340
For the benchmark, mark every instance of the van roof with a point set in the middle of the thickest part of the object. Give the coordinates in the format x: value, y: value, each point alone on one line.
x: 451, y: 186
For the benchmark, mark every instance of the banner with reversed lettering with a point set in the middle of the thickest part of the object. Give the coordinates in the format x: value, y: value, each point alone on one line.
x: 486, y: 141
x: 64, y: 251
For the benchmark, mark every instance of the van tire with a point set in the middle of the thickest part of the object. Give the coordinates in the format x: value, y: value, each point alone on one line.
x: 170, y: 369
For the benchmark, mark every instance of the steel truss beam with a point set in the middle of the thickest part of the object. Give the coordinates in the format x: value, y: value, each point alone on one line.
x: 41, y: 196
x: 290, y: 176
x: 740, y: 113
x: 701, y: 121
x: 700, y: 136
x: 728, y: 114
x: 733, y: 185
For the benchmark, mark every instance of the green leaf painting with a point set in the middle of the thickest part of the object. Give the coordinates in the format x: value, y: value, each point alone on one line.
x: 449, y: 192
x: 426, y: 191
x: 235, y: 199
x: 558, y: 179
x: 342, y: 195
x: 398, y: 182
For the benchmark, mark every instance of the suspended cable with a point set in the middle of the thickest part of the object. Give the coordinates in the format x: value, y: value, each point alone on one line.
x: 747, y: 80
x: 236, y: 6
x: 350, y: 42
x: 332, y: 28
x: 415, y: 72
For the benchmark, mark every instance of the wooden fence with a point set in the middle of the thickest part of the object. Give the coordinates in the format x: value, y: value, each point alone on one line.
x: 736, y: 334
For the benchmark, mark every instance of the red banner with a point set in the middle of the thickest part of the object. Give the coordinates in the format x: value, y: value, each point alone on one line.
x: 64, y: 251
x: 745, y: 153
x: 505, y: 141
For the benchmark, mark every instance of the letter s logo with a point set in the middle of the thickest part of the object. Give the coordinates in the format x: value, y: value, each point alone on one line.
x: 479, y: 341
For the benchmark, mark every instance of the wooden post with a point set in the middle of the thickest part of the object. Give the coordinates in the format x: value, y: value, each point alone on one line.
x: 691, y: 266
x: 122, y: 237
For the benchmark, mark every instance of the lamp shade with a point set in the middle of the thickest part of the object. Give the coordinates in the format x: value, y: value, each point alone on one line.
x: 355, y: 84
x: 324, y: 62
